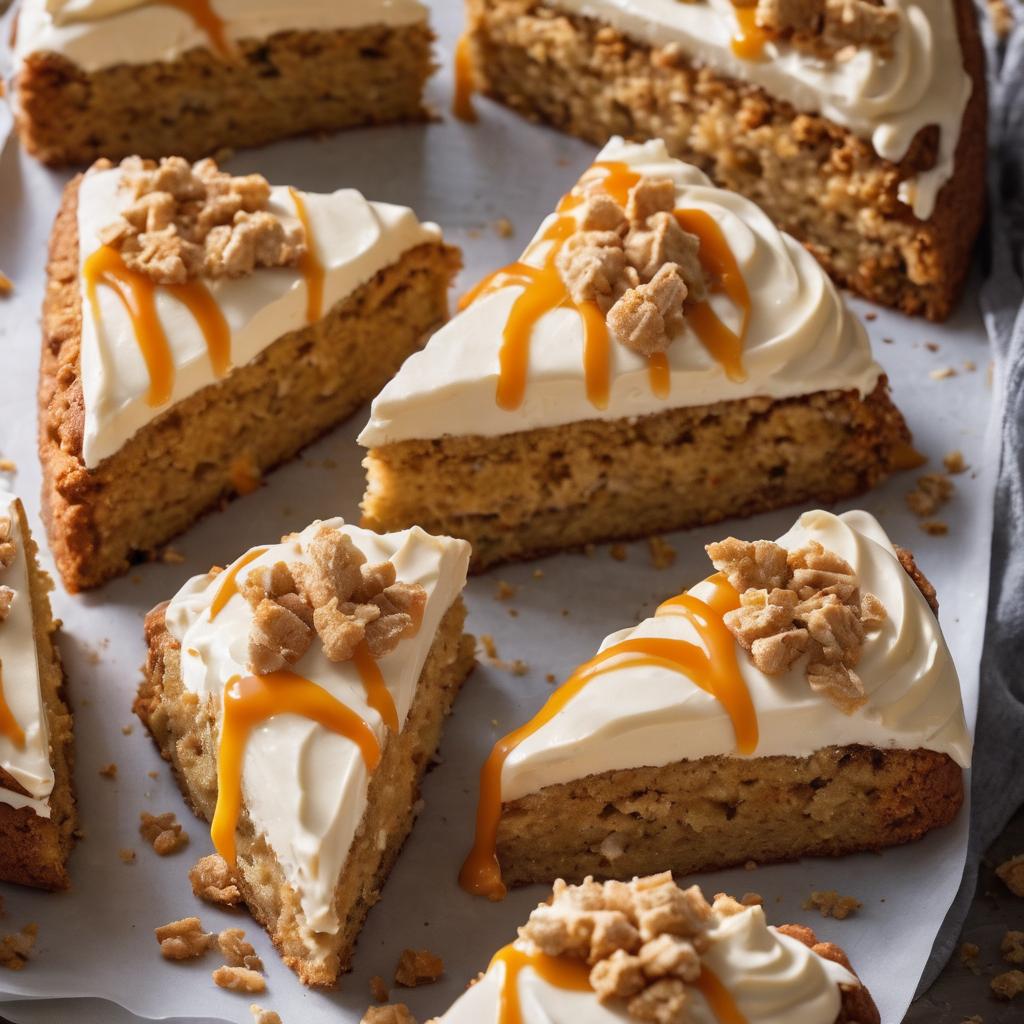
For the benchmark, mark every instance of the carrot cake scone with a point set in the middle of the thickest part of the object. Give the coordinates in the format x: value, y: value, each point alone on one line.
x: 37, y: 802
x: 660, y: 357
x: 799, y: 702
x: 299, y: 696
x: 857, y: 125
x: 199, y: 329
x: 648, y: 950
x: 112, y: 78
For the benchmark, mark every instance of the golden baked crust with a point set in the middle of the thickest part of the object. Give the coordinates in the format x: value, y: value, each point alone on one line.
x: 34, y: 850
x: 213, y: 444
x: 528, y: 493
x: 184, y: 730
x: 289, y: 84
x: 815, y: 179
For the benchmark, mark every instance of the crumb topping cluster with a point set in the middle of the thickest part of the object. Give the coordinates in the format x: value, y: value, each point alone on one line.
x: 194, y: 220
x: 829, y: 28
x: 637, y: 264
x: 8, y: 552
x: 797, y: 603
x: 338, y: 597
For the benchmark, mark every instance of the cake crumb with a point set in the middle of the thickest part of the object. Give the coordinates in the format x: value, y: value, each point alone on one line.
x: 395, y: 1013
x: 752, y: 899
x: 517, y: 667
x: 418, y: 967
x: 751, y: 865
x: 214, y: 881
x: 171, y: 556
x: 504, y: 228
x: 538, y: 574
x: 618, y: 552
x: 976, y: 1019
x: 970, y: 365
x: 127, y: 730
x: 942, y: 373
x: 8, y: 466
x: 930, y: 493
x: 1008, y: 985
x: 935, y: 527
x: 550, y: 677
x: 127, y: 855
x: 109, y: 771
x: 379, y: 988
x: 152, y: 775
x: 663, y: 555
x: 931, y: 346
x: 261, y: 1016
x: 954, y: 461
x: 1012, y: 873
x: 162, y: 832
x: 16, y: 947
x: 184, y: 939
x: 870, y: 316
x: 505, y: 591
x: 489, y: 646
x: 239, y: 979
x: 831, y: 904
x: 1012, y: 947
x: 236, y: 951
x: 968, y: 951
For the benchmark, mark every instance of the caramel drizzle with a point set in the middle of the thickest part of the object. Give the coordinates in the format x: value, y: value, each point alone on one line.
x: 713, y: 667
x: 310, y: 266
x: 208, y: 21
x: 572, y: 975
x: 748, y: 42
x: 137, y: 293
x: 378, y: 696
x: 8, y: 723
x: 544, y: 291
x: 462, y: 100
x: 229, y: 581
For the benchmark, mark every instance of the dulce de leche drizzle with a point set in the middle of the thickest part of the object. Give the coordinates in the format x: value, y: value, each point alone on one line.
x: 378, y: 696
x: 251, y: 701
x: 462, y: 100
x: 137, y: 293
x: 713, y: 667
x: 8, y: 723
x: 748, y: 42
x: 309, y: 264
x: 207, y: 20
x: 718, y: 997
x: 229, y: 581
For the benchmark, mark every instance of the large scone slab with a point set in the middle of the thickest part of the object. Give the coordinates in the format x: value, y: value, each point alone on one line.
x: 37, y: 803
x: 112, y: 78
x: 799, y: 702
x: 858, y: 126
x: 299, y: 696
x: 648, y: 950
x: 199, y: 329
x: 660, y: 357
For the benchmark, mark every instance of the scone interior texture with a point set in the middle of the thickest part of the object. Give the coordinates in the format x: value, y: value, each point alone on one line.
x: 308, y: 772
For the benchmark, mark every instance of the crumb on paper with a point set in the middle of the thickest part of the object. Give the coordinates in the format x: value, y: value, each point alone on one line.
x: 752, y: 899
x: 162, y: 832
x: 109, y: 771
x: 751, y: 865
x: 213, y: 881
x: 550, y: 677
x: 942, y: 373
x: 931, y: 346
x: 831, y: 904
x: 394, y: 1013
x: 618, y: 552
x: 870, y: 316
x: 1008, y: 985
x: 930, y: 493
x: 970, y: 365
x: 663, y: 555
x: 379, y: 989
x: 153, y: 774
x: 538, y: 574
x: 968, y: 951
x: 127, y: 730
x: 418, y: 967
x: 489, y: 646
x: 504, y: 228
x: 239, y: 979
x: 261, y: 1016
x: 238, y: 952
x: 954, y: 461
x: 505, y: 591
x: 1012, y: 873
x: 171, y: 556
x: 183, y: 939
x: 517, y: 667
x: 15, y: 948
x: 127, y: 855
x: 1012, y: 947
x: 8, y: 466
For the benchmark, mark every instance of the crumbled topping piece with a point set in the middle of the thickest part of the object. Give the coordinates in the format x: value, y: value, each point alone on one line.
x: 1008, y: 985
x: 261, y: 1016
x: 213, y: 881
x: 187, y: 221
x: 184, y: 939
x: 277, y: 637
x: 395, y: 1013
x: 663, y: 555
x: 127, y: 855
x: 648, y: 316
x: 16, y: 947
x: 594, y: 268
x: 602, y: 213
x: 237, y: 951
x: 162, y: 832
x: 1012, y: 873
x: 7, y: 546
x: 618, y: 976
x: 931, y: 492
x: 418, y: 967
x: 954, y: 461
x: 650, y: 196
x: 664, y: 1002
x: 109, y: 771
x: 379, y: 988
x: 831, y: 904
x: 1012, y: 947
x: 662, y: 241
x: 760, y: 564
x: 6, y: 602
x: 825, y: 28
x: 239, y: 979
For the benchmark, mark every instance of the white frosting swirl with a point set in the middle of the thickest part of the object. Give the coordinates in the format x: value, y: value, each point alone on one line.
x: 801, y: 338
x: 887, y: 99
x: 305, y: 787
x: 772, y: 978
x: 354, y: 239
x: 97, y: 34
x: 30, y: 765
x: 649, y: 716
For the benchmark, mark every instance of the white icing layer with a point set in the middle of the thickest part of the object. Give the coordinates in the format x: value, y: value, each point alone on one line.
x: 772, y: 978
x: 96, y: 34
x: 650, y: 716
x: 306, y: 787
x: 885, y: 99
x: 801, y: 338
x: 354, y: 239
x: 30, y: 765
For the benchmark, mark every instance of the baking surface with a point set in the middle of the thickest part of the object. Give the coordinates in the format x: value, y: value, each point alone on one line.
x: 97, y: 940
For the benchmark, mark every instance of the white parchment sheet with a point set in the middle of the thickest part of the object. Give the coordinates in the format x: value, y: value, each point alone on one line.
x: 97, y: 940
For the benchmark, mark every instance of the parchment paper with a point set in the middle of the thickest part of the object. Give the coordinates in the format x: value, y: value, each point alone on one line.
x: 97, y: 940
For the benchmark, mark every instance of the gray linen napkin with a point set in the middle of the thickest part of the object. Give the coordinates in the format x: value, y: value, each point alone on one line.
x: 997, y: 788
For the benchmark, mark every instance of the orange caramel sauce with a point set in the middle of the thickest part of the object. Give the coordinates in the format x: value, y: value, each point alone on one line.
x: 718, y: 997
x: 229, y: 581
x: 378, y: 696
x: 8, y: 723
x: 462, y: 101
x: 251, y: 701
x: 206, y: 19
x: 748, y: 42
x: 713, y: 667
x: 309, y: 265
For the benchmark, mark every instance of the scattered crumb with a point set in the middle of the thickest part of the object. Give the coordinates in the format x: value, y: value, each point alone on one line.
x: 942, y: 373
x: 976, y: 1019
x: 379, y: 988
x: 663, y: 555
x: 418, y: 967
x: 239, y: 979
x: 153, y: 774
x: 1008, y: 985
x: 870, y: 316
x: 589, y: 549
x: 888, y: 341
x: 261, y: 1016
x: 931, y: 346
x: 504, y: 228
x: 970, y: 365
x: 565, y: 613
x: 127, y: 730
x: 538, y: 574
x: 162, y: 832
x: 1012, y: 873
x: 213, y: 880
x: 930, y: 493
x: 236, y: 951
x: 109, y: 771
x: 16, y: 947
x: 831, y: 904
x: 396, y: 1013
x: 8, y: 466
x: 518, y: 667
x: 935, y: 527
x: 954, y: 461
x: 171, y: 556
x: 513, y: 613
x: 550, y: 677
x: 505, y: 591
x: 127, y: 855
x: 968, y: 951
x: 618, y: 552
x: 184, y: 939
x: 751, y: 865
x: 6, y: 285
x: 752, y: 899
x: 489, y: 646
x: 1012, y: 947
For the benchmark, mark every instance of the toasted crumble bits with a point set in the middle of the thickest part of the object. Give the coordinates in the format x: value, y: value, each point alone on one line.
x: 828, y: 28
x: 184, y: 939
x: 1008, y: 985
x: 618, y: 552
x: 647, y: 317
x: 236, y: 951
x: 193, y: 220
x: 261, y: 1016
x: 7, y: 596
x: 503, y: 228
x: 109, y: 771
x: 8, y: 466
x: 162, y: 832
x: 418, y: 967
x: 127, y: 855
x: 213, y: 881
x: 239, y: 979
x: 954, y: 461
x: 505, y: 591
x: 8, y: 550
x: 942, y: 373
x: 831, y: 904
x: 1012, y: 947
x: 15, y: 948
x: 395, y: 1013
x: 969, y: 951
x: 489, y: 646
x: 935, y: 527
x: 277, y: 637
x: 930, y: 493
x: 1012, y: 873
x: 663, y: 555
x: 379, y: 988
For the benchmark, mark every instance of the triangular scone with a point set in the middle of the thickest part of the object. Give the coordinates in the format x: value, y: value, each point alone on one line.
x: 799, y: 702
x: 199, y: 329
x: 661, y: 357
x: 648, y: 950
x: 858, y: 125
x: 299, y: 695
x: 37, y: 802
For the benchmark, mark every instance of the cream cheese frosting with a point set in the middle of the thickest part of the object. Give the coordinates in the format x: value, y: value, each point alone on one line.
x: 801, y: 338
x: 306, y: 787
x: 97, y: 34
x: 887, y: 99
x: 29, y: 765
x: 353, y: 237
x: 649, y: 716
x: 772, y: 978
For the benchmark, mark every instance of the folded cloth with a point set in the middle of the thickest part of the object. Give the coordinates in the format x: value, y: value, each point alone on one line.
x: 997, y: 786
